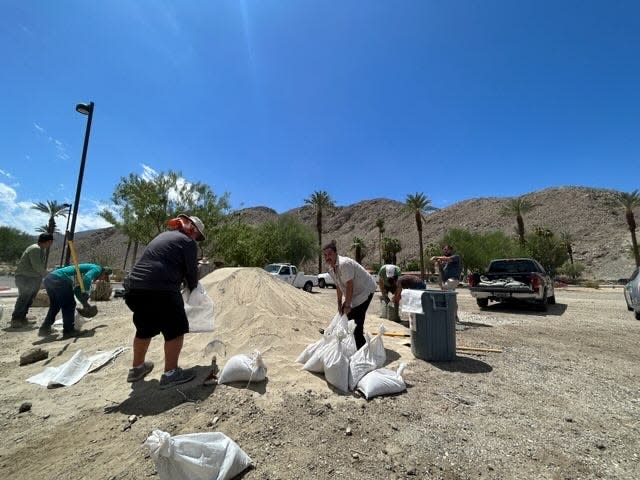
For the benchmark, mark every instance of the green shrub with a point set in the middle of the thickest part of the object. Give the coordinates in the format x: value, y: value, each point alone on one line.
x: 591, y: 284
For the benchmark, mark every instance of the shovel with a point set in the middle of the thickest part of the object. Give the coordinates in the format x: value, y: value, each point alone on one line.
x: 87, y: 311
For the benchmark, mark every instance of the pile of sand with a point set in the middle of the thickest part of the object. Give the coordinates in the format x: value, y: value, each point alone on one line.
x: 255, y: 311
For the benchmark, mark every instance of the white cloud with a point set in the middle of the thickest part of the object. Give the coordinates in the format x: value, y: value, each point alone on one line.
x: 20, y: 215
x: 38, y: 127
x: 5, y: 174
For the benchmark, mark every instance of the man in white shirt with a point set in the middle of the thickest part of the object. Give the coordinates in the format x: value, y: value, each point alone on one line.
x: 354, y: 288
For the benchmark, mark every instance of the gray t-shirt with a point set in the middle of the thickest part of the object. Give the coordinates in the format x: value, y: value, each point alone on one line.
x: 363, y: 283
x: 169, y: 258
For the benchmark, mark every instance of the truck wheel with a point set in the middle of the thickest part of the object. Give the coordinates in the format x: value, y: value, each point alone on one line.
x: 482, y: 302
x: 637, y: 315
x: 542, y: 306
x: 321, y: 283
x: 308, y: 287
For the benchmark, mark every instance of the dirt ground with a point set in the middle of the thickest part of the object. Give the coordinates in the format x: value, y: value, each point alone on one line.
x: 561, y: 401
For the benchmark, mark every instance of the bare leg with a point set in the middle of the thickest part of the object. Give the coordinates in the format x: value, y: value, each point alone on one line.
x: 172, y: 352
x: 140, y: 347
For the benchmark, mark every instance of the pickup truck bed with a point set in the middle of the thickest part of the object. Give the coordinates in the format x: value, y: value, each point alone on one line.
x: 513, y: 280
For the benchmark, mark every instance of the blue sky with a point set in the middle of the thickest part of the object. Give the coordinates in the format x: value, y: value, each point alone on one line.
x: 272, y: 100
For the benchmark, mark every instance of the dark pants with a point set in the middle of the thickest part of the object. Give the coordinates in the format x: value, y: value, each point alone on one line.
x: 60, y: 291
x: 357, y: 314
x: 27, y: 290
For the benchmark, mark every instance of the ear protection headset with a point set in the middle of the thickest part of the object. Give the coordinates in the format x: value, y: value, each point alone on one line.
x: 181, y: 224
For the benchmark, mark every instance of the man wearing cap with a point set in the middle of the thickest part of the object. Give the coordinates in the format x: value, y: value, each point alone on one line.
x: 153, y: 295
x: 387, y: 277
x: 29, y: 273
x: 63, y: 290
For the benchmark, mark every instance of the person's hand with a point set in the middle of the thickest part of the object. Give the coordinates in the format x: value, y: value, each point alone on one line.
x: 83, y: 297
x: 346, y: 309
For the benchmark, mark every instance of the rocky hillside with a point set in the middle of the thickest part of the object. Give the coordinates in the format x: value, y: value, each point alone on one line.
x: 601, y: 237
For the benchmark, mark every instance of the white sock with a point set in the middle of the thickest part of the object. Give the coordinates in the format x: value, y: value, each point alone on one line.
x: 169, y: 372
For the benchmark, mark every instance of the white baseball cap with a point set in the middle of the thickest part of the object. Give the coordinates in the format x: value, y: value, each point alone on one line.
x: 198, y: 224
x: 390, y: 270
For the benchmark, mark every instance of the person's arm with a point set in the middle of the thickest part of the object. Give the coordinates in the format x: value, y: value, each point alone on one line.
x: 398, y: 293
x: 383, y: 292
x: 191, y: 265
x: 339, y: 295
x: 346, y: 306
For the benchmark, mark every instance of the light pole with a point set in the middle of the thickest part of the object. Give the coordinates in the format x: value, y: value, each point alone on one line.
x: 66, y: 232
x: 85, y: 109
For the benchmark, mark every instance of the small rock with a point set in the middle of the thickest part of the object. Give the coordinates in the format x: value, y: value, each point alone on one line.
x: 600, y: 446
x: 24, y: 407
x: 411, y: 470
x: 33, y: 355
x: 355, y: 455
x: 132, y: 418
x: 348, y: 431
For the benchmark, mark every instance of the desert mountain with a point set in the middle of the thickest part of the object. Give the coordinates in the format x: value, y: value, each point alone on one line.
x: 600, y: 233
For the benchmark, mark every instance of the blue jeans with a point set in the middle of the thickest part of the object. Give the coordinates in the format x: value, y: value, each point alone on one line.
x: 60, y: 291
x: 27, y: 290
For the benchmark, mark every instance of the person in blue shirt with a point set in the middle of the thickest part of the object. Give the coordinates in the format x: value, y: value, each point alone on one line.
x: 62, y: 289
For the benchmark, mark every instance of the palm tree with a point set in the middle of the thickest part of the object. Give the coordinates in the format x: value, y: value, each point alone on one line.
x: 319, y: 201
x: 518, y: 207
x: 380, y: 227
x: 360, y: 248
x: 567, y: 239
x: 391, y: 247
x: 629, y: 201
x: 418, y: 203
x: 53, y: 209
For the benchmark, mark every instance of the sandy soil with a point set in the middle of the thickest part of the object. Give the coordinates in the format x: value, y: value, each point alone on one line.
x: 561, y: 401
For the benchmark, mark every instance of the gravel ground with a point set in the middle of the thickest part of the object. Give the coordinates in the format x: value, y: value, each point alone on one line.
x: 561, y: 401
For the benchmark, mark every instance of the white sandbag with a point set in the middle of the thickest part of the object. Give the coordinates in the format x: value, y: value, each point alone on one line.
x: 361, y: 363
x: 199, y: 309
x: 376, y: 346
x: 338, y: 321
x: 243, y: 368
x: 315, y: 363
x: 349, y: 343
x: 196, y: 456
x: 336, y: 366
x: 310, y: 349
x: 382, y: 381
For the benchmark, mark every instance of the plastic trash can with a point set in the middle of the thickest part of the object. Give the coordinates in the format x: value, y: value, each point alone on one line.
x: 433, y: 332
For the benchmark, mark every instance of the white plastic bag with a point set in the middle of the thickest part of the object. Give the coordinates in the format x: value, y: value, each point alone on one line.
x: 336, y: 366
x: 199, y: 309
x: 309, y: 350
x: 315, y: 363
x: 382, y: 382
x: 361, y: 363
x: 196, y: 456
x: 376, y: 346
x: 244, y: 368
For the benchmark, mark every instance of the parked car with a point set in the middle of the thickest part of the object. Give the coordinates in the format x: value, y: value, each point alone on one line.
x: 325, y: 280
x: 632, y: 293
x: 289, y: 273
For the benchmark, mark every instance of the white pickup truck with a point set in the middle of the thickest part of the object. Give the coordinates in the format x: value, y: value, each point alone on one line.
x: 290, y: 274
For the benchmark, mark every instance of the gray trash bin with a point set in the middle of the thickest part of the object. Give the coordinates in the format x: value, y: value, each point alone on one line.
x: 433, y: 333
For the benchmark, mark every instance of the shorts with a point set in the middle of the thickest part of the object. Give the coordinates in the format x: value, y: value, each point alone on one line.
x: 157, y: 312
x: 450, y: 284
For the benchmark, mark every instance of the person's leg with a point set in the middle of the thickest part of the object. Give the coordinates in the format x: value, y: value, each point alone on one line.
x: 27, y: 290
x: 172, y: 350
x: 140, y: 347
x: 68, y: 306
x: 357, y: 314
x: 52, y: 286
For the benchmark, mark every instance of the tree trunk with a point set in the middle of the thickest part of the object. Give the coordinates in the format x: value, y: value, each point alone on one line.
x: 634, y: 246
x: 126, y: 255
x: 135, y: 252
x: 319, y: 228
x: 520, y: 229
x: 419, y: 225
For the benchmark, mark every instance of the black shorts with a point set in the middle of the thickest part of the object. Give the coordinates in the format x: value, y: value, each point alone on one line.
x: 157, y: 312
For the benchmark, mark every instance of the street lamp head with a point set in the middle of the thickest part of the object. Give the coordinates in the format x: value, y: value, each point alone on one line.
x: 84, y: 108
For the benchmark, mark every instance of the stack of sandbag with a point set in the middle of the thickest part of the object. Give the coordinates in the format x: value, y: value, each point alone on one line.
x: 382, y: 381
x: 335, y: 355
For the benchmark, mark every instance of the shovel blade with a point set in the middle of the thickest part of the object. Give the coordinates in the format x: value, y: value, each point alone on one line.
x: 89, y: 311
